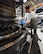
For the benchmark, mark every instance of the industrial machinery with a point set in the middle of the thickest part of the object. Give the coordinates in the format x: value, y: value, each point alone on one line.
x: 11, y: 36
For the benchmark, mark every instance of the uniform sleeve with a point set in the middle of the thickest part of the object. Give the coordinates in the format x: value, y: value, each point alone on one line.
x: 27, y: 17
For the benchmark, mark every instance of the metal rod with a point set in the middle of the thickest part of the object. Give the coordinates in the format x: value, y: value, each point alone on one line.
x: 22, y: 8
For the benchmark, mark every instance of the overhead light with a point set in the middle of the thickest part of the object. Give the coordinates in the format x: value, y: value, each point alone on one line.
x: 32, y: 3
x: 17, y: 0
x: 24, y: 1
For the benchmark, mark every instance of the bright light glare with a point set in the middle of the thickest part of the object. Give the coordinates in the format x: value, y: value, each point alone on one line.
x: 24, y: 1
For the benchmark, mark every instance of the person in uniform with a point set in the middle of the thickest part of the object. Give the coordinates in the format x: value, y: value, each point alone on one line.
x: 28, y: 19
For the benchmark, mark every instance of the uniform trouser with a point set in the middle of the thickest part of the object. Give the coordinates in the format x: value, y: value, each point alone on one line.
x: 29, y: 39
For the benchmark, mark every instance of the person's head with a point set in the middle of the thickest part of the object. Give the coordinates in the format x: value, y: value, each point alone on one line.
x: 27, y: 9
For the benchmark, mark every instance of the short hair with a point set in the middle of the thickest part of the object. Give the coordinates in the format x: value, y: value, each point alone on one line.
x: 27, y: 7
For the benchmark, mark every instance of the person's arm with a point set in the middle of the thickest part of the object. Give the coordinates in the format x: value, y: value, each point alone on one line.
x: 28, y: 22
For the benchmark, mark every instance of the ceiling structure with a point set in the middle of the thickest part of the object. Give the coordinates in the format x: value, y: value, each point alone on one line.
x: 33, y: 2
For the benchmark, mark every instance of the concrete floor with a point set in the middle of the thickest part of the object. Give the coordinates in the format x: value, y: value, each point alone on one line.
x: 41, y: 46
x: 40, y: 35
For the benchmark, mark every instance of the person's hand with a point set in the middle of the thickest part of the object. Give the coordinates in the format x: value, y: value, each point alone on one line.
x: 28, y: 22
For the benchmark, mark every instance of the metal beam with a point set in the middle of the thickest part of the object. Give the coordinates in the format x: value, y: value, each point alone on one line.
x: 19, y: 3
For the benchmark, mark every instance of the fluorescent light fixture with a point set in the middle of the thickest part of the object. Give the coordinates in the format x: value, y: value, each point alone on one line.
x: 24, y: 1
x: 32, y: 3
